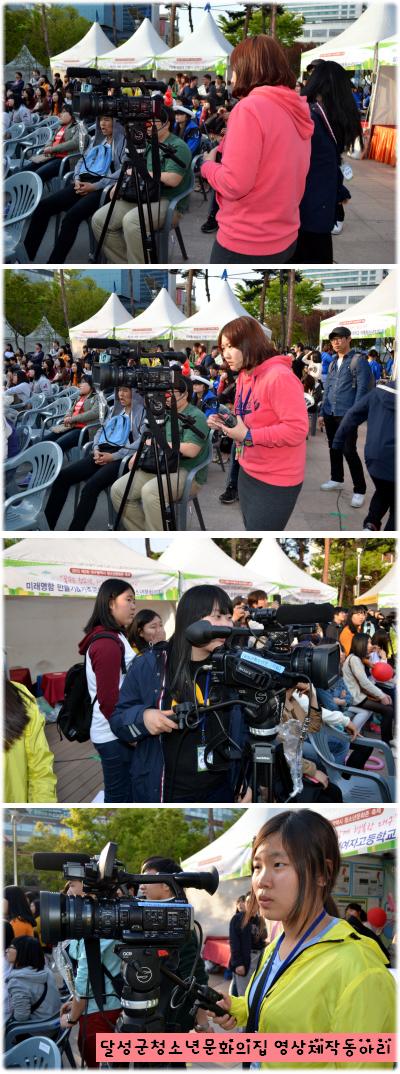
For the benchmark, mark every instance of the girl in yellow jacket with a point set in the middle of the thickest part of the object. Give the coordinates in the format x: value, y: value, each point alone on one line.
x: 319, y: 976
x: 28, y: 761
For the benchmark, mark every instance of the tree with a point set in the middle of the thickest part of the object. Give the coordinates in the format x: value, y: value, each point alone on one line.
x: 306, y: 297
x: 240, y: 550
x: 61, y: 28
x: 283, y: 25
x: 25, y: 303
x: 341, y: 568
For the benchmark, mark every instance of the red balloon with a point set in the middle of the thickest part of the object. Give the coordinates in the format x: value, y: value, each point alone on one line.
x: 382, y: 672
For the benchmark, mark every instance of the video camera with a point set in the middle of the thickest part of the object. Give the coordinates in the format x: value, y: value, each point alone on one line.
x: 119, y: 106
x: 141, y: 921
x: 160, y: 378
x: 145, y: 928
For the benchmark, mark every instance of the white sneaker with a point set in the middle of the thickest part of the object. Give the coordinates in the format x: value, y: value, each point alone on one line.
x: 337, y: 228
x: 328, y: 486
x: 357, y: 499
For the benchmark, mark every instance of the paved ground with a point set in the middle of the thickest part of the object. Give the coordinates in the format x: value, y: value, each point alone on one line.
x: 315, y: 511
x: 368, y: 236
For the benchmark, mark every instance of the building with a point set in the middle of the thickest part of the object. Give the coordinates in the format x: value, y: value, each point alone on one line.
x: 325, y: 20
x: 127, y: 17
x: 146, y: 284
x: 343, y: 287
x: 27, y: 819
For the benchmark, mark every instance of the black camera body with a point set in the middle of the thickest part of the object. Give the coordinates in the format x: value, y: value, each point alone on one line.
x: 142, y: 379
x: 120, y: 106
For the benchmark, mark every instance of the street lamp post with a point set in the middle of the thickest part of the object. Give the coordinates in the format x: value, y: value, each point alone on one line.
x: 359, y: 554
x: 14, y: 819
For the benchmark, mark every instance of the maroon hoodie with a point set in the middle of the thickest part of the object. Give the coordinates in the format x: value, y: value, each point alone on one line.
x: 105, y: 656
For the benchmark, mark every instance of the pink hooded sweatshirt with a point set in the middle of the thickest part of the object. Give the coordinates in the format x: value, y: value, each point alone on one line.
x: 270, y: 399
x: 261, y: 179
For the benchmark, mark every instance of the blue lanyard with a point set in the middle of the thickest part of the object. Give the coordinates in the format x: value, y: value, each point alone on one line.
x: 287, y: 960
x: 241, y: 406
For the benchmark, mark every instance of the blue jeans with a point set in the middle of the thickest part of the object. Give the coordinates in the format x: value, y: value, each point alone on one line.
x: 116, y: 759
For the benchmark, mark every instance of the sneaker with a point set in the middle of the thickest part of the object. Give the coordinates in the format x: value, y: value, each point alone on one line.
x: 229, y: 496
x: 357, y: 499
x: 329, y: 486
x: 337, y: 228
x: 369, y: 527
x: 210, y: 225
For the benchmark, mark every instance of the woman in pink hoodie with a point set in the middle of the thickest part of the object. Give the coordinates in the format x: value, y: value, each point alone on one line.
x: 265, y: 159
x: 271, y: 425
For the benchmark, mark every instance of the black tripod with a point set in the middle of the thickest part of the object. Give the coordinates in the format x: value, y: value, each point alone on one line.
x: 155, y: 432
x: 135, y: 134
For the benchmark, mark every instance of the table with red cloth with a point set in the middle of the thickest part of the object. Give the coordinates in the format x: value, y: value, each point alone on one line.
x: 23, y: 676
x: 53, y: 686
x: 383, y: 145
x: 216, y: 949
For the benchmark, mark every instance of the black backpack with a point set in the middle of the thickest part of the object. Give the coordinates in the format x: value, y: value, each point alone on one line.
x: 75, y: 715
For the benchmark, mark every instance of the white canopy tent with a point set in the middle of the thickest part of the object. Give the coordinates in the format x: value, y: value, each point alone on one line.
x: 383, y: 593
x: 356, y: 45
x: 85, y: 53
x: 199, y: 51
x: 201, y: 561
x: 140, y: 51
x: 157, y: 322
x: 101, y: 324
x: 282, y: 576
x: 44, y: 333
x: 64, y: 576
x: 374, y: 316
x: 206, y: 324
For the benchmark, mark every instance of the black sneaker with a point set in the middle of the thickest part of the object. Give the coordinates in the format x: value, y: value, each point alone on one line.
x: 229, y: 496
x: 210, y: 225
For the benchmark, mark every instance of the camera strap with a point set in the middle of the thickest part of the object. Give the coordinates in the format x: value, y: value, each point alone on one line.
x: 95, y: 969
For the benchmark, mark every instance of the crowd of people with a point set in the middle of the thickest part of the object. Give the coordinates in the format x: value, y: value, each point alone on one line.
x: 258, y: 406
x: 342, y: 982
x: 135, y: 678
x: 280, y: 214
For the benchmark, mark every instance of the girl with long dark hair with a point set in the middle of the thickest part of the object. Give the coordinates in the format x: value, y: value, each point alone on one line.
x: 107, y: 655
x: 16, y: 910
x: 365, y: 692
x: 354, y: 625
x: 319, y: 976
x: 337, y: 127
x: 147, y: 630
x: 31, y: 985
x: 168, y: 764
x: 271, y: 425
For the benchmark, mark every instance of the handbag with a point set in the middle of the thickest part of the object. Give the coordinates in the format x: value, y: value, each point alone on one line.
x: 95, y: 163
x: 115, y: 433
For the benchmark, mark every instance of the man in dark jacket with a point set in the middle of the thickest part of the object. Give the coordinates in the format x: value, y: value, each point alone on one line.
x: 246, y: 941
x: 349, y: 378
x: 378, y: 409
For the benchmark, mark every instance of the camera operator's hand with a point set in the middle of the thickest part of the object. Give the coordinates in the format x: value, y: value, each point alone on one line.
x: 132, y: 460
x: 211, y: 155
x: 65, y: 1007
x: 239, y: 431
x: 352, y: 730
x: 225, y: 1020
x: 157, y: 722
x: 321, y: 777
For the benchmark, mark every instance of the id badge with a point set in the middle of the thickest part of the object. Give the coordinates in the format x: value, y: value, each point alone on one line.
x: 238, y: 451
x: 201, y: 764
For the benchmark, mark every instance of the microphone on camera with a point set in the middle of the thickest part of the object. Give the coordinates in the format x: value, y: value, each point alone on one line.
x: 55, y: 861
x: 297, y: 614
x: 202, y: 632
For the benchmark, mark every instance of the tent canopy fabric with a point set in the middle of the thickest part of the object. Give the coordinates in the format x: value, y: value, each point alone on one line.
x: 384, y: 592
x: 76, y: 567
x: 201, y: 561
x: 199, y: 50
x: 138, y: 52
x: 103, y: 323
x: 44, y: 333
x: 357, y: 44
x: 375, y: 315
x: 24, y: 62
x: 156, y: 322
x: 85, y: 52
x: 271, y: 563
x: 208, y: 321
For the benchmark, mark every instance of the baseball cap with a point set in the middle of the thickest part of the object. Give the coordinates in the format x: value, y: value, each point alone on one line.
x: 340, y: 332
x: 200, y: 380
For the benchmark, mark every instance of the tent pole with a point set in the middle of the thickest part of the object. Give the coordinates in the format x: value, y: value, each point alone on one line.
x: 375, y: 72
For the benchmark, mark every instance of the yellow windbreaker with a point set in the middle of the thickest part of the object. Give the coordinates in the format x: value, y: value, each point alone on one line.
x: 338, y: 985
x: 28, y: 765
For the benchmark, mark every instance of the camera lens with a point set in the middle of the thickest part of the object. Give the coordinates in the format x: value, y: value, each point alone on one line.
x: 63, y: 916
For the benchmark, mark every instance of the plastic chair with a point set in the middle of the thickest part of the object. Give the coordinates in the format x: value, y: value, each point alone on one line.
x: 39, y: 1053
x: 35, y: 403
x: 24, y: 510
x: 51, y: 1029
x: 197, y: 174
x: 16, y: 130
x: 362, y: 786
x: 6, y: 165
x: 78, y: 488
x: 163, y: 234
x: 40, y: 137
x: 50, y: 414
x: 24, y: 435
x: 23, y: 191
x: 181, y: 505
x: 75, y: 453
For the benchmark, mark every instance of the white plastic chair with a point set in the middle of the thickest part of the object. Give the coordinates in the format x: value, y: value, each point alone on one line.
x: 22, y: 192
x: 24, y: 510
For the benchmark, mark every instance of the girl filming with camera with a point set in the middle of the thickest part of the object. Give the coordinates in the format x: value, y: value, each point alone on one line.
x: 319, y: 976
x: 169, y: 764
x: 271, y: 425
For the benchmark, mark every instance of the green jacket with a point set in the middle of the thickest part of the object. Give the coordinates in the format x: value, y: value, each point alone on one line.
x: 338, y: 985
x: 28, y: 765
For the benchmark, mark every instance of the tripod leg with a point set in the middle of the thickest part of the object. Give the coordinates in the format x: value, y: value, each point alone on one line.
x: 97, y: 252
x: 130, y: 480
x: 168, y: 524
x: 142, y: 221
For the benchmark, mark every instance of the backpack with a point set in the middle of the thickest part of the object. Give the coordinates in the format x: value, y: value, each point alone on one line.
x: 115, y: 433
x: 96, y: 161
x: 75, y: 715
x: 353, y: 372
